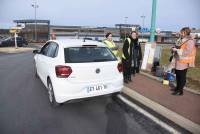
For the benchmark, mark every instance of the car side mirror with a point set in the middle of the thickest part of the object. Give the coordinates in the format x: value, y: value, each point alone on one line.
x: 36, y: 51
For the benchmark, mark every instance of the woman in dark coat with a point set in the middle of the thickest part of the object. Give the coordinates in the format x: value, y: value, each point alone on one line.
x: 136, y: 53
x: 131, y: 56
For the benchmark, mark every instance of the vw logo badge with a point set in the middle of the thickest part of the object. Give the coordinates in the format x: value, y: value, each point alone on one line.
x: 97, y: 70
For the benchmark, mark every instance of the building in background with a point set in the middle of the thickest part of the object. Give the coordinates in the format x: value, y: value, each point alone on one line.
x: 42, y: 29
x: 121, y: 31
x: 80, y: 32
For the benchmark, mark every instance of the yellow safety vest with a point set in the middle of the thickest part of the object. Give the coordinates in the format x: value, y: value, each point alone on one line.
x: 111, y: 44
x: 129, y: 43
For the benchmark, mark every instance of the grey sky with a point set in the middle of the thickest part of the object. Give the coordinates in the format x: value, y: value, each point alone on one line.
x: 171, y: 14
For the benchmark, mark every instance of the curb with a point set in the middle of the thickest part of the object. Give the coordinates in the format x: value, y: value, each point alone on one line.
x: 160, y: 80
x: 176, y: 118
x: 13, y: 50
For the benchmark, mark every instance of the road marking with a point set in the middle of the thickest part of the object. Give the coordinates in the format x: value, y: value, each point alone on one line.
x: 150, y: 116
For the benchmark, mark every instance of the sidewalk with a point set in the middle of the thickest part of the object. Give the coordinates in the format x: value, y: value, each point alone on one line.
x: 187, y: 106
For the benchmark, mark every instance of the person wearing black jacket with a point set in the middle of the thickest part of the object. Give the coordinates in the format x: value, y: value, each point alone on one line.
x: 136, y: 53
x: 127, y: 59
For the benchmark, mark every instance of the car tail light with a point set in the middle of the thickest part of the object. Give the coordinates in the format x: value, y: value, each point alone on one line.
x: 63, y: 71
x: 120, y: 67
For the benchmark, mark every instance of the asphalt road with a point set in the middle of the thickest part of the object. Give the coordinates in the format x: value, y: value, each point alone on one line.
x: 24, y: 107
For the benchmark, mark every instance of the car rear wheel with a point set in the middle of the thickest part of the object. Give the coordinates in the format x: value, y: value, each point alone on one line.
x: 114, y: 95
x: 51, y: 94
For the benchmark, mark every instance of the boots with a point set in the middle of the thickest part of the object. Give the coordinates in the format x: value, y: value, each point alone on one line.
x: 129, y: 78
x: 126, y: 79
x: 178, y: 92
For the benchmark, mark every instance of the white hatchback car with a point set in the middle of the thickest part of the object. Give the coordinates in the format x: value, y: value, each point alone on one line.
x: 74, y: 69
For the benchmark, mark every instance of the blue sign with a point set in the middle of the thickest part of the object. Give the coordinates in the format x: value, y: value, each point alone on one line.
x: 144, y: 29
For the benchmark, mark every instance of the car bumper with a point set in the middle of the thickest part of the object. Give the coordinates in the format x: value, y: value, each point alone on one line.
x: 64, y: 91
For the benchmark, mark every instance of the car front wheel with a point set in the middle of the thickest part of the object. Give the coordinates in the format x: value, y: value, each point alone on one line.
x: 35, y: 71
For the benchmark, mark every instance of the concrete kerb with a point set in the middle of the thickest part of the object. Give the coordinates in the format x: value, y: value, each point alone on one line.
x: 176, y: 118
x: 156, y: 78
x: 14, y: 50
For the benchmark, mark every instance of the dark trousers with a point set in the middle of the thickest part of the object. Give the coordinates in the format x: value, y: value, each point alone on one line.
x: 126, y: 68
x: 180, y: 79
x: 135, y: 69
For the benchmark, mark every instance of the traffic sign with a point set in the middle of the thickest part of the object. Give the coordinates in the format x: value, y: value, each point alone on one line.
x: 13, y: 30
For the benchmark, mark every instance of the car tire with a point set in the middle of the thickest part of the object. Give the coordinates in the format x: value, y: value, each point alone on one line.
x: 51, y: 96
x: 36, y: 74
x: 114, y: 96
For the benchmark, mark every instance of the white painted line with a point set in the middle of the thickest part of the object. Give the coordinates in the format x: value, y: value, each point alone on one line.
x: 169, y: 114
x: 150, y: 116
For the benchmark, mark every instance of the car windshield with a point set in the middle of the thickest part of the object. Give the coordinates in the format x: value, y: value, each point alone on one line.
x: 88, y: 54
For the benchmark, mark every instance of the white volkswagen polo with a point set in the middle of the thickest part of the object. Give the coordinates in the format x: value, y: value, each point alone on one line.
x: 74, y: 69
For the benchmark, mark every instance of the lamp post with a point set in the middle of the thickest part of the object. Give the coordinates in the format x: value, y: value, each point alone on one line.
x: 35, y: 6
x: 153, y: 21
x: 143, y: 18
x: 125, y: 21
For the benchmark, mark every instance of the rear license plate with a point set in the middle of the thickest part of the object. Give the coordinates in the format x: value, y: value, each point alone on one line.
x: 96, y: 88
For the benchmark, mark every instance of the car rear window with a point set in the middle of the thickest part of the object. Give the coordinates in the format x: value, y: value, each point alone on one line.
x: 88, y: 54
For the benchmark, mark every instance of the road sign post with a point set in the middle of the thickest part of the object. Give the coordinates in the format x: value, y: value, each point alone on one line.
x: 16, y: 40
x: 15, y: 30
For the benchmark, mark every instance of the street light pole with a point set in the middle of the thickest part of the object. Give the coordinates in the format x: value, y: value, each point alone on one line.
x: 125, y: 20
x: 143, y: 18
x: 153, y: 21
x: 35, y: 6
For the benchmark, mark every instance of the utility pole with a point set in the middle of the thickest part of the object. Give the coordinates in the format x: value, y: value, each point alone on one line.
x: 35, y: 6
x: 125, y: 21
x: 153, y: 21
x: 143, y: 18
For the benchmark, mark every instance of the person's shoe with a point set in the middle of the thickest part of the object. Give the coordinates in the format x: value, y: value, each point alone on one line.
x: 180, y: 93
x: 175, y: 92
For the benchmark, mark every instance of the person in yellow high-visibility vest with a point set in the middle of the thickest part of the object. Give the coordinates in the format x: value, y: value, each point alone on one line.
x: 127, y: 55
x: 184, y: 58
x: 110, y: 44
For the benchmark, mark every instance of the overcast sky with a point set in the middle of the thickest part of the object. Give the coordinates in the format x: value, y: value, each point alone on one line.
x: 171, y: 14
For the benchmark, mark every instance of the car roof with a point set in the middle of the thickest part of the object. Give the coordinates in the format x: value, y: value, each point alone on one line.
x: 77, y: 42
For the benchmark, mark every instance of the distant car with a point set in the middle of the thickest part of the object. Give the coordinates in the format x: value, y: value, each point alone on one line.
x: 75, y: 69
x: 10, y: 41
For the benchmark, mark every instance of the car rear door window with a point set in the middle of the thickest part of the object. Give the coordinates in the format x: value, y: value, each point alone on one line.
x: 88, y: 54
x: 44, y: 49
